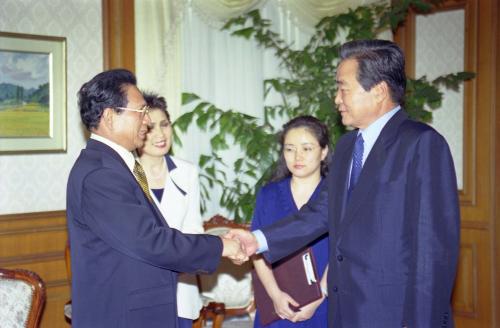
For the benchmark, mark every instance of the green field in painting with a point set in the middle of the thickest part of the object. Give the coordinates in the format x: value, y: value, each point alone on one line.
x: 30, y: 120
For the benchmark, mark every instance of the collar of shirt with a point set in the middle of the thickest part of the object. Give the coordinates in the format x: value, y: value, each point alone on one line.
x: 371, y: 133
x: 126, y: 155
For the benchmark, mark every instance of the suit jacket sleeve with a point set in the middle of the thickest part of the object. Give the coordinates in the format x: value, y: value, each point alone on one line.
x: 113, y: 211
x: 434, y: 213
x: 297, y: 230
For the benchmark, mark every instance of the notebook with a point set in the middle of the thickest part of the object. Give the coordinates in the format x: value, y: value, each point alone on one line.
x: 297, y: 276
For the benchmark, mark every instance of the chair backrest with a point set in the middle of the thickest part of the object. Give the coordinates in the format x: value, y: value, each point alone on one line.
x: 22, y: 298
x: 229, y: 284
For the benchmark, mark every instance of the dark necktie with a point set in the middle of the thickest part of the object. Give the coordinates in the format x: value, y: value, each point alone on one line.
x: 357, y: 162
x: 140, y: 176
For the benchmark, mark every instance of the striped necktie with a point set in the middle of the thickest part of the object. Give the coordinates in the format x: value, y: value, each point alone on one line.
x: 140, y: 176
x: 357, y: 162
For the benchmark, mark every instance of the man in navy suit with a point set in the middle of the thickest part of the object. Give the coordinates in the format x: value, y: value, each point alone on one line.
x: 124, y: 257
x: 390, y: 205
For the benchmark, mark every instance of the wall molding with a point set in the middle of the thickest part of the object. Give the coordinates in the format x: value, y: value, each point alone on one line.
x: 31, y: 216
x: 31, y: 258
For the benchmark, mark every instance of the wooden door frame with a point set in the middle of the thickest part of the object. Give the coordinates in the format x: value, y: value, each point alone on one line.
x: 496, y: 149
x: 405, y: 38
x: 480, y: 199
x: 118, y: 31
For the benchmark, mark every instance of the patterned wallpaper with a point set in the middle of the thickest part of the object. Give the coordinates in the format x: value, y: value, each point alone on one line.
x: 37, y: 182
x: 440, y: 50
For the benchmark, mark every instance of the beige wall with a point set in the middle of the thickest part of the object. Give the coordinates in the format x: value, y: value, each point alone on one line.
x: 37, y: 182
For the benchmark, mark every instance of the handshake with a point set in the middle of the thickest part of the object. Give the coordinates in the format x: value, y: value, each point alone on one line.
x: 239, y: 245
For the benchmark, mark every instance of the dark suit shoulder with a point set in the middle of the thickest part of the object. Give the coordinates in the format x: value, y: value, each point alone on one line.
x: 346, y: 139
x: 87, y: 162
x: 98, y: 166
x: 90, y: 160
x: 415, y: 130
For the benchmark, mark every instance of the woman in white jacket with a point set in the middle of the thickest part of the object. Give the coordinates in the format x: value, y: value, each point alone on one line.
x: 175, y: 186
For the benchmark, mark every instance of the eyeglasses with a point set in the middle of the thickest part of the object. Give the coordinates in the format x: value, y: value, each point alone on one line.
x: 305, y: 149
x: 143, y: 110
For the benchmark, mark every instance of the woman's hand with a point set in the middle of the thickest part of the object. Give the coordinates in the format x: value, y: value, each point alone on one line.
x: 281, y: 302
x: 307, y: 311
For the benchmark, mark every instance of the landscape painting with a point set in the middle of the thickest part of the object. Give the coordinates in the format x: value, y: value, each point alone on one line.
x: 24, y: 94
x: 32, y: 93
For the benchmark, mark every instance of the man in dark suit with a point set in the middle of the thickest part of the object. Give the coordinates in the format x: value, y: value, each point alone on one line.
x: 124, y: 257
x: 390, y: 205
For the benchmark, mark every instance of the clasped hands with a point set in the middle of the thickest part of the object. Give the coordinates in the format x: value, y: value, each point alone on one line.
x: 239, y: 245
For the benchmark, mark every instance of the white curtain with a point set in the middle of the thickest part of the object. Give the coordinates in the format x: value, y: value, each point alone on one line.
x: 159, y: 46
x: 159, y: 25
x: 216, y: 12
x: 158, y: 50
x: 180, y: 48
x: 310, y: 12
x: 227, y: 71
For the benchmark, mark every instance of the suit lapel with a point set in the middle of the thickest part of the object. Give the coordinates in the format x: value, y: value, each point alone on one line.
x: 371, y: 169
x: 339, y: 180
x: 116, y: 159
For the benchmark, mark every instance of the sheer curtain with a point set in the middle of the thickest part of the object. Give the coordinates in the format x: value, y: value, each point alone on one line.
x: 226, y: 71
x: 158, y: 49
x: 168, y: 30
x: 310, y: 12
x: 180, y: 48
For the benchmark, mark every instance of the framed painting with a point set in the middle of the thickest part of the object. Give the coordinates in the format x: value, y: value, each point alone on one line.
x: 32, y: 93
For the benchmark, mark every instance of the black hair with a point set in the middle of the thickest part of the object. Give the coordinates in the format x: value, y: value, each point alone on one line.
x: 154, y: 101
x: 317, y: 128
x: 378, y: 60
x: 105, y: 90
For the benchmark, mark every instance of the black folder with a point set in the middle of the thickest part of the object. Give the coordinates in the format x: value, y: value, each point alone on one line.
x: 292, y: 278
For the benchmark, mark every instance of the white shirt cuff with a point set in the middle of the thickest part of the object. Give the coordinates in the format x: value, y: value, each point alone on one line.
x: 261, y: 240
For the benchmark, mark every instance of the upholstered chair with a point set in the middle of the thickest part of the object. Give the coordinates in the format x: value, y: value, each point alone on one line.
x: 228, y: 291
x: 22, y: 298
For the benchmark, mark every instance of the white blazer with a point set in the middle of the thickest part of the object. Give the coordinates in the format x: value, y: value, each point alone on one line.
x: 180, y: 206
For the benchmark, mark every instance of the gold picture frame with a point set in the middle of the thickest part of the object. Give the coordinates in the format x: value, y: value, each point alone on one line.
x: 32, y: 93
